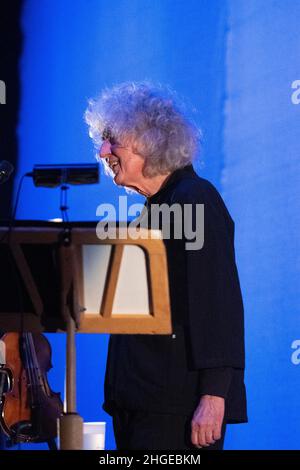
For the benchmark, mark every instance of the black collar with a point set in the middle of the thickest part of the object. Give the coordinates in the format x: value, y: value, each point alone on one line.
x: 170, y: 181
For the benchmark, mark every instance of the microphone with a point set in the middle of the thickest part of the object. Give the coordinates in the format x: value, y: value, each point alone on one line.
x: 6, y: 170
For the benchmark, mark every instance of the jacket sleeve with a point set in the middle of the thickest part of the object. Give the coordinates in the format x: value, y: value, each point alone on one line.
x: 215, y: 381
x: 215, y: 306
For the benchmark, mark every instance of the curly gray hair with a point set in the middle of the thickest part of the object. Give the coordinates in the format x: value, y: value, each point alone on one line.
x: 149, y: 118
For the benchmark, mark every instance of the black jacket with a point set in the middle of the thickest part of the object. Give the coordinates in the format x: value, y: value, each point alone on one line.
x: 205, y: 353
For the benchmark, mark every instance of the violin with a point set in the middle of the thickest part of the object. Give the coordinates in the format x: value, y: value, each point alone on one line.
x: 29, y: 408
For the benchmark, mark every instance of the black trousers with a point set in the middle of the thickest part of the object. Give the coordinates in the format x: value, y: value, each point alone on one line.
x: 139, y: 430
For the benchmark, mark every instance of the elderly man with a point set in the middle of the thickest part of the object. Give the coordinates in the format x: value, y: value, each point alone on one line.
x: 173, y: 391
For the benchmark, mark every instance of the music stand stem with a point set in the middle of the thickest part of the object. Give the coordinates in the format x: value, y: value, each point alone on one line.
x: 71, y: 423
x: 71, y: 368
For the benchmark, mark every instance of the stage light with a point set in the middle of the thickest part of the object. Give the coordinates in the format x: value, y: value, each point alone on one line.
x: 51, y: 176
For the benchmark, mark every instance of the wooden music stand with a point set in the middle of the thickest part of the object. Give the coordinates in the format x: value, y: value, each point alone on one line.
x: 56, y: 251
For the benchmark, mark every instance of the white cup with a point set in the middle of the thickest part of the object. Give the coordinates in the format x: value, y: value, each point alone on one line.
x: 94, y: 436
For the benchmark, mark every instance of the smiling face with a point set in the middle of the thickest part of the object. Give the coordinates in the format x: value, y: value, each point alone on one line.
x: 126, y: 166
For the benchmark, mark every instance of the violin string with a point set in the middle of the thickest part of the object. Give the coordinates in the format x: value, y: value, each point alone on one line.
x: 33, y: 371
x: 38, y: 384
x: 35, y: 364
x: 28, y: 367
x: 31, y: 374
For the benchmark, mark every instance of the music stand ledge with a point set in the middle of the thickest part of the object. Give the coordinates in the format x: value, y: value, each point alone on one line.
x: 54, y: 251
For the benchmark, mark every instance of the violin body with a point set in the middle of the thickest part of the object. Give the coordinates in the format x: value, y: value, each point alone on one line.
x: 29, y: 408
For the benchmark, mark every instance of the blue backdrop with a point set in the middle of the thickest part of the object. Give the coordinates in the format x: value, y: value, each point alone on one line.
x: 235, y: 61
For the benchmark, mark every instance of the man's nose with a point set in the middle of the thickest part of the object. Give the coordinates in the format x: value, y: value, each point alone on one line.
x: 105, y: 149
